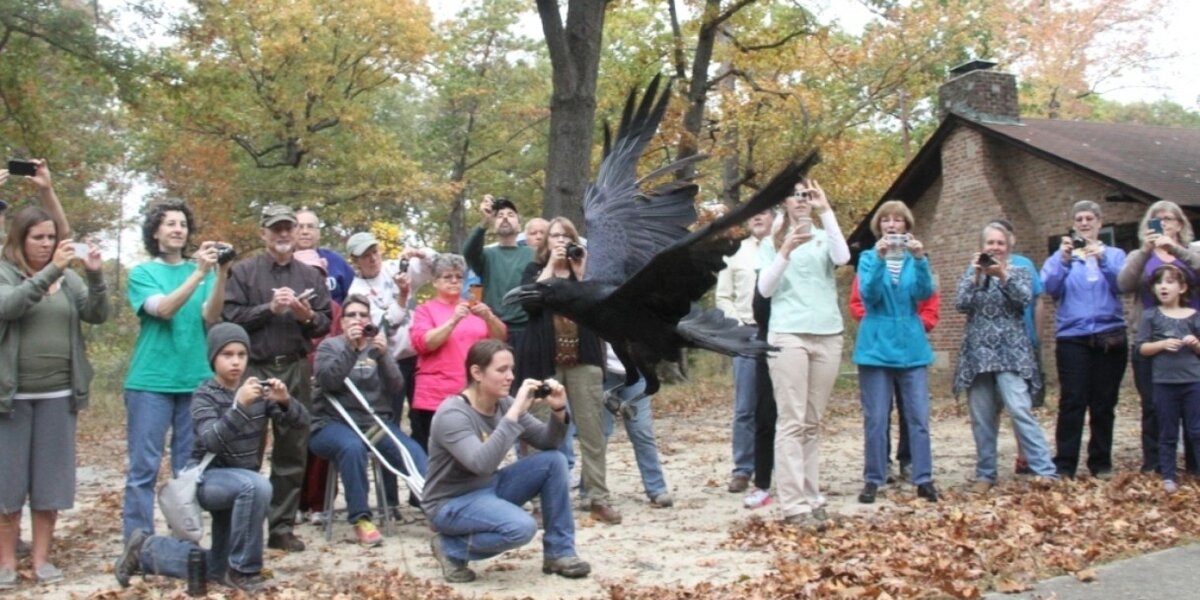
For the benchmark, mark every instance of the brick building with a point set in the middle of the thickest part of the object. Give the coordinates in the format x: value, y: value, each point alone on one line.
x: 984, y: 161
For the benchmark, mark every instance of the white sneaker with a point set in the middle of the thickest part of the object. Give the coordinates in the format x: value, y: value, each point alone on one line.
x: 317, y: 517
x: 756, y: 499
x: 1170, y: 486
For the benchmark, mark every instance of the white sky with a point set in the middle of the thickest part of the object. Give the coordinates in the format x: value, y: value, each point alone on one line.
x: 1176, y: 79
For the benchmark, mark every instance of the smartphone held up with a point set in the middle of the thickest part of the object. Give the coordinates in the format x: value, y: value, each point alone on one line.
x: 27, y: 168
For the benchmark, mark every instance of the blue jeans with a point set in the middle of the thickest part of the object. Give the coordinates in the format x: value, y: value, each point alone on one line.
x: 877, y: 384
x: 989, y: 393
x: 237, y: 500
x: 339, y: 444
x: 744, y: 401
x: 490, y: 520
x: 1175, y: 402
x: 640, y: 430
x: 148, y: 417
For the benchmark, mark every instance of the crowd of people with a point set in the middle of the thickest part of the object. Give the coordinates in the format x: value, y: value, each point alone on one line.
x: 326, y: 353
x: 780, y: 280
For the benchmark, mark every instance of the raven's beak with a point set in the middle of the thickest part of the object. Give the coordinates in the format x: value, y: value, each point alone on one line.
x: 523, y: 294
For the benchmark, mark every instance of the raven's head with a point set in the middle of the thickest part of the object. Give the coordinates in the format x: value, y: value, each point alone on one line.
x: 537, y: 294
x: 558, y: 294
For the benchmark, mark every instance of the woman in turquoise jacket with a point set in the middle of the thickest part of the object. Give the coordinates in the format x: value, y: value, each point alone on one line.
x: 892, y: 348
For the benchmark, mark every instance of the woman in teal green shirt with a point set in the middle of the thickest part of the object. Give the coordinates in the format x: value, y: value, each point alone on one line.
x: 797, y: 275
x: 175, y: 299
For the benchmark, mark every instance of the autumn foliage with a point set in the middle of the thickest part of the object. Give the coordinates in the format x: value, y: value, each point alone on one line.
x: 964, y: 546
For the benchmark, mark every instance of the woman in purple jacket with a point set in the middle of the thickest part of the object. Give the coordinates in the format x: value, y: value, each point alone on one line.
x: 1091, y: 347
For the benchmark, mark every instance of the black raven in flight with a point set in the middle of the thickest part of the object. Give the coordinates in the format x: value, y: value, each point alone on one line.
x: 645, y: 268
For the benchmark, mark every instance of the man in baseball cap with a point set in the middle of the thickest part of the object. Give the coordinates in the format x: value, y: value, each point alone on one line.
x: 283, y: 304
x: 277, y: 213
x: 500, y: 266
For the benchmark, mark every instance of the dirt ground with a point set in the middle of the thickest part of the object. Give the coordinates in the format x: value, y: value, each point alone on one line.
x: 679, y: 546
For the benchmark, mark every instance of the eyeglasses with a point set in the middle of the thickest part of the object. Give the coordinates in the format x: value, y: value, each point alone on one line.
x: 356, y: 315
x: 451, y: 277
x: 1167, y: 218
x: 560, y: 235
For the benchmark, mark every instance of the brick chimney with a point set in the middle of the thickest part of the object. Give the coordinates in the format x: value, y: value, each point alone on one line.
x: 978, y: 92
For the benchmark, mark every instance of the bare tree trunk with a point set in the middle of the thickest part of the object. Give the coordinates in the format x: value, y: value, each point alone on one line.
x: 731, y: 171
x: 575, y: 60
x: 697, y: 91
x: 458, y: 221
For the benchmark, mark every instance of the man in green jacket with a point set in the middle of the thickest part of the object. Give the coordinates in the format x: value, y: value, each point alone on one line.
x: 500, y: 266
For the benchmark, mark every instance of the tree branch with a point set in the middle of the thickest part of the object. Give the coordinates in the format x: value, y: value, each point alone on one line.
x: 755, y: 48
x: 677, y: 57
x: 552, y: 29
x: 729, y: 12
x: 505, y: 143
x: 744, y: 76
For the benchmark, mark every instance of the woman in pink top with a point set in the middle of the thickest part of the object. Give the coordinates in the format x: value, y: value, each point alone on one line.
x: 443, y: 330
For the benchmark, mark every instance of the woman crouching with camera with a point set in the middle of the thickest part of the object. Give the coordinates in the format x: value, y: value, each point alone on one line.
x: 474, y: 507
x: 996, y: 364
x: 360, y: 354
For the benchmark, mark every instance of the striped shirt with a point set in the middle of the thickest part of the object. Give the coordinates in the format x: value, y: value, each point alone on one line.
x: 233, y: 432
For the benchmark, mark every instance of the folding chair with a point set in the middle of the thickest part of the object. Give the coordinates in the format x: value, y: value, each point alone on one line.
x: 413, y: 479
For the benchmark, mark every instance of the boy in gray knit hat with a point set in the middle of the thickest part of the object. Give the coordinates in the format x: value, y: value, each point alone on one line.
x: 229, y: 422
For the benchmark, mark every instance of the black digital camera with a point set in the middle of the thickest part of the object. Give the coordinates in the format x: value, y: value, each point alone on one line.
x: 986, y: 260
x: 370, y: 330
x: 267, y: 384
x: 225, y: 254
x: 542, y: 390
x: 403, y: 264
x: 574, y: 251
x: 1077, y: 241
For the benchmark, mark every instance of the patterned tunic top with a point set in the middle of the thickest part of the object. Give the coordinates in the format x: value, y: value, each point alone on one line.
x: 995, y: 339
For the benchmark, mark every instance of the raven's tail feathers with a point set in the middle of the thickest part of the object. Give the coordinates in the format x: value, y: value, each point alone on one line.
x: 712, y: 330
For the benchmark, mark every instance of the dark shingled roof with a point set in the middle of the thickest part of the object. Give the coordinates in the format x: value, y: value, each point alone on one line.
x: 1141, y: 162
x: 1162, y: 162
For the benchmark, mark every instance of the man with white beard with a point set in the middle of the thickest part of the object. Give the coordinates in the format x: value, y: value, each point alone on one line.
x: 282, y: 304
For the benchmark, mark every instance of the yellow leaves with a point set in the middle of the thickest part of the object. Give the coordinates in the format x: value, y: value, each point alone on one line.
x: 390, y: 238
x: 279, y: 76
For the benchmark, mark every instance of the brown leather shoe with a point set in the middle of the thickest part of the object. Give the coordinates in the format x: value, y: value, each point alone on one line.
x: 605, y: 513
x: 738, y: 483
x: 286, y: 541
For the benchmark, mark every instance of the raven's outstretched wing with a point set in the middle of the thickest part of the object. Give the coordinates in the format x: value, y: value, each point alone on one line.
x: 625, y: 227
x: 683, y: 272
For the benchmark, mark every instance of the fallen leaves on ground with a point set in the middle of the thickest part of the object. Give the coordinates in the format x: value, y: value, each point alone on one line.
x: 374, y: 584
x: 961, y: 547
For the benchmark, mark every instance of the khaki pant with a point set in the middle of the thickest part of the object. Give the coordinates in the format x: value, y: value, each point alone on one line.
x: 585, y: 393
x: 802, y: 374
x: 289, y: 455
